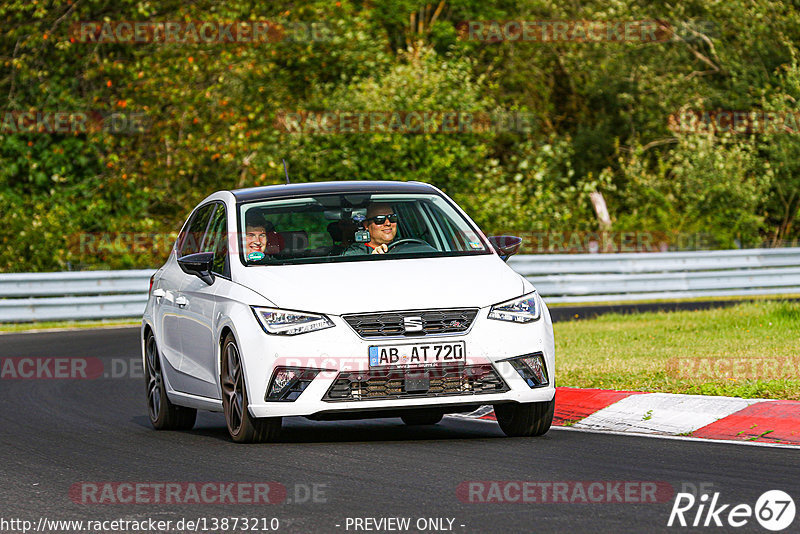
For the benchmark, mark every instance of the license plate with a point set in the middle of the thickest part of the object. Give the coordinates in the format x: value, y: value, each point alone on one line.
x: 417, y: 354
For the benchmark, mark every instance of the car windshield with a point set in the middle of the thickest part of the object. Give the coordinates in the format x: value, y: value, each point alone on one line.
x: 349, y: 227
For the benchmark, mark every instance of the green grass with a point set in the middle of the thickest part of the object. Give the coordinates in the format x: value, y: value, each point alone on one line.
x: 633, y: 351
x: 693, y: 299
x: 60, y: 325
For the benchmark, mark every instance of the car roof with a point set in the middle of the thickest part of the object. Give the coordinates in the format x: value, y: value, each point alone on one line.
x: 317, y: 188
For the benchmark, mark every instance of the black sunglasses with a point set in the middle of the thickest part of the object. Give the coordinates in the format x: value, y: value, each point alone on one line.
x: 380, y: 220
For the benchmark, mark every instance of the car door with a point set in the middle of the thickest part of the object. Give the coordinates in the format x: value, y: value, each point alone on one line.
x: 166, y: 292
x: 198, y: 343
x: 165, y: 313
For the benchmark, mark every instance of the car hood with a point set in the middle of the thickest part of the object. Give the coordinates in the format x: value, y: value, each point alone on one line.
x: 382, y: 285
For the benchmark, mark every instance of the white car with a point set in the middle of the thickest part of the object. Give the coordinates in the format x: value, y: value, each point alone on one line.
x: 272, y: 304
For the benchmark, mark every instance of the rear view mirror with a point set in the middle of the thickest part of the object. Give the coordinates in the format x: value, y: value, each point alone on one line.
x: 505, y: 245
x: 199, y: 265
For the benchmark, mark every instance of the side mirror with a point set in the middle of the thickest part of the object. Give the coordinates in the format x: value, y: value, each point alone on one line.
x: 199, y: 265
x: 505, y: 245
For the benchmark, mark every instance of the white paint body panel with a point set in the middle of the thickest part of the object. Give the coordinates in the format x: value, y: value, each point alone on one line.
x: 404, y: 284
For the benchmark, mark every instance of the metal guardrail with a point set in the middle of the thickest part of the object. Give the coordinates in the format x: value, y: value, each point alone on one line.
x: 661, y: 275
x: 558, y: 277
x: 73, y: 295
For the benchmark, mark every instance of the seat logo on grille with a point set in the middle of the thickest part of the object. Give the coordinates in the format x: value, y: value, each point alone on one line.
x: 412, y: 324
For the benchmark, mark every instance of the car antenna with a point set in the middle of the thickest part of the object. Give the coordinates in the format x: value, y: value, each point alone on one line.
x: 285, y: 171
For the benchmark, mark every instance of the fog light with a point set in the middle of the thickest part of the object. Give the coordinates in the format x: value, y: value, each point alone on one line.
x: 288, y: 383
x: 531, y: 368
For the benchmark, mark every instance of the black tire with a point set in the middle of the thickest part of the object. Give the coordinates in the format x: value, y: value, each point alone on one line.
x: 242, y: 427
x: 421, y: 418
x: 163, y: 414
x: 530, y: 419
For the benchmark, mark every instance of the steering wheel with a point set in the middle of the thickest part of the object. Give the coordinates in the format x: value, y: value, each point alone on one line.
x: 393, y: 244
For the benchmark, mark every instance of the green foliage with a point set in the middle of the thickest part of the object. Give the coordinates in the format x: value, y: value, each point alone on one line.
x: 419, y: 81
x: 601, y: 113
x: 709, y: 186
x: 536, y: 188
x: 782, y: 153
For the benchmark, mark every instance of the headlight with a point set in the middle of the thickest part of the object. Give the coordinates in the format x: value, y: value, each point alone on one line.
x: 520, y: 310
x: 290, y: 323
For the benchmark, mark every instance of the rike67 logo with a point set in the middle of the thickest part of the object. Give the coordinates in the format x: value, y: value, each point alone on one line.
x: 774, y: 510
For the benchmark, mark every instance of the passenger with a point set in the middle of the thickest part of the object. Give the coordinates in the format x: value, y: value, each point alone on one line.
x: 260, y: 237
x: 381, y: 223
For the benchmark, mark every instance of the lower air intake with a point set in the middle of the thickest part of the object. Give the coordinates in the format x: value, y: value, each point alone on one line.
x: 408, y: 383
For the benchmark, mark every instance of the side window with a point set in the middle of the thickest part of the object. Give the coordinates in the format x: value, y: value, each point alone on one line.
x: 216, y: 240
x: 195, y: 229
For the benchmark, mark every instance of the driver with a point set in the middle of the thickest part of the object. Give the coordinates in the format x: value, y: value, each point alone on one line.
x: 381, y: 223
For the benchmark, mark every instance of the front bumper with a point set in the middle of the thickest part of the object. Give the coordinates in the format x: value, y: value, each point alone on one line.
x: 340, y: 351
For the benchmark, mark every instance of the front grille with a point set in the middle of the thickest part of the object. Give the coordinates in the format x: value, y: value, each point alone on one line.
x: 391, y: 383
x: 387, y: 324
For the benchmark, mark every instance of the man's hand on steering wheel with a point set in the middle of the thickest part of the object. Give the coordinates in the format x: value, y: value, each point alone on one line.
x: 406, y: 240
x: 384, y: 248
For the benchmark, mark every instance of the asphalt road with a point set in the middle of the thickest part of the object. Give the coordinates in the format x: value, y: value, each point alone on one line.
x: 63, y: 434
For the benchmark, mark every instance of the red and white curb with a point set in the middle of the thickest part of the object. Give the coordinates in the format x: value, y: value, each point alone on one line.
x: 668, y: 414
